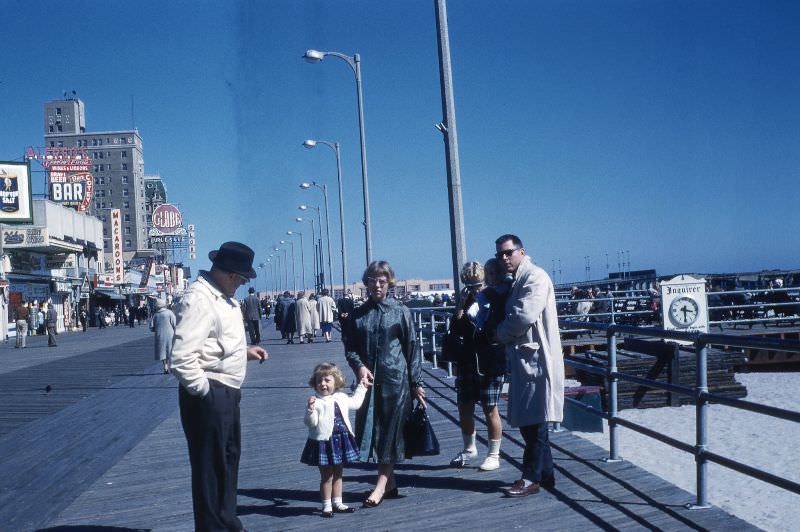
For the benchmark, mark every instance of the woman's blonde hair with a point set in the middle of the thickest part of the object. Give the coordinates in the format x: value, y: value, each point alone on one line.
x: 377, y: 268
x: 325, y: 369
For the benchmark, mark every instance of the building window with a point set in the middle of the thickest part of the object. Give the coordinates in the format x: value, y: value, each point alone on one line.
x: 110, y: 191
x: 124, y: 191
x: 58, y: 110
x: 124, y: 154
x: 105, y: 219
x: 52, y: 144
x: 110, y: 204
x: 60, y: 143
x: 127, y: 230
x: 51, y: 129
x: 127, y: 217
x: 125, y: 181
x: 130, y: 140
x: 440, y: 286
x: 126, y: 204
x: 128, y: 244
x: 59, y: 128
x: 102, y: 204
x: 124, y: 166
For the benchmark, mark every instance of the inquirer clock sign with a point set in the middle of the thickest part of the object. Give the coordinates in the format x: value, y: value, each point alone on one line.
x: 683, y: 303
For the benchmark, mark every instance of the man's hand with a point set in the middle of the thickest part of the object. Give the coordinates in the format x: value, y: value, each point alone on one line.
x: 256, y: 352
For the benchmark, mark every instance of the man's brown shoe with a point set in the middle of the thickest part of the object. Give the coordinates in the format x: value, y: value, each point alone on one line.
x: 532, y: 489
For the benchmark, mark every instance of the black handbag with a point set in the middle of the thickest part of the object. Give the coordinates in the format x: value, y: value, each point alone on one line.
x: 418, y: 434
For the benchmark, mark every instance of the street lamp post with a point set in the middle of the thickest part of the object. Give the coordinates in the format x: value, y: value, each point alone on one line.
x: 314, y: 261
x: 302, y: 256
x: 321, y: 254
x: 315, y: 56
x: 294, y: 275
x: 285, y: 268
x: 335, y: 147
x: 324, y: 189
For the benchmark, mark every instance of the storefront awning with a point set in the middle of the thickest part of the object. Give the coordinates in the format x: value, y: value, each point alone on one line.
x: 108, y: 293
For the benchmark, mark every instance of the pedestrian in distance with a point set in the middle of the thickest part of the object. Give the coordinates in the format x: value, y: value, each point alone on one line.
x: 536, y: 363
x: 302, y: 318
x: 209, y: 358
x: 51, y: 321
x: 163, y: 325
x: 313, y: 310
x: 331, y: 444
x: 84, y: 317
x: 22, y: 314
x: 251, y: 308
x: 380, y: 346
x: 326, y: 308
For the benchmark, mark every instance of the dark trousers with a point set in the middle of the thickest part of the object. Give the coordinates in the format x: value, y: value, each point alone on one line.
x: 255, y: 331
x: 537, y: 460
x: 213, y: 435
x: 51, y: 334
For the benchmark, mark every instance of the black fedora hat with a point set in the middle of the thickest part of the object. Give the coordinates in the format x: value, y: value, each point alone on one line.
x: 234, y: 257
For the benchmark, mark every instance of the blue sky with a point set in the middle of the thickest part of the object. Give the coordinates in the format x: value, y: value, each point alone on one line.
x: 665, y: 128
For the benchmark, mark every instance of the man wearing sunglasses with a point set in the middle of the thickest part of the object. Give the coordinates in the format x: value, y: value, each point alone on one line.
x: 209, y: 358
x: 535, y: 360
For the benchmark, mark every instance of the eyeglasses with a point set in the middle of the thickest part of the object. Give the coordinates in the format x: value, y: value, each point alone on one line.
x: 505, y: 253
x: 378, y: 281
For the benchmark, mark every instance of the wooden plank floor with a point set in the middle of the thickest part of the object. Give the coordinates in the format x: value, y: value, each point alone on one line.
x: 117, y: 460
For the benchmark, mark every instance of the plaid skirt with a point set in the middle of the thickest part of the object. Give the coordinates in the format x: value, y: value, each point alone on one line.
x: 341, y: 448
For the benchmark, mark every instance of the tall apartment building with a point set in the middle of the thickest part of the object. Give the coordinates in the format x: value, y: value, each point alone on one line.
x: 118, y: 170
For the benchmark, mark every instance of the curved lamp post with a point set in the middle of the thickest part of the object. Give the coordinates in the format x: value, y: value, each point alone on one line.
x: 294, y: 275
x: 335, y: 147
x: 324, y: 189
x: 321, y: 268
x: 316, y: 56
x: 285, y: 267
x: 314, y: 261
x: 302, y: 256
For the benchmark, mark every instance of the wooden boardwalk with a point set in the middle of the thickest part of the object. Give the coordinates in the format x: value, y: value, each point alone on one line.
x: 117, y: 460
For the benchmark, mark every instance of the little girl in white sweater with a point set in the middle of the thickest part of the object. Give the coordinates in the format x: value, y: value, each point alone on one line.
x: 331, y: 443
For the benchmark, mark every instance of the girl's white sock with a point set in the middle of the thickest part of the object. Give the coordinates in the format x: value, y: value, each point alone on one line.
x: 338, y: 504
x: 326, y: 506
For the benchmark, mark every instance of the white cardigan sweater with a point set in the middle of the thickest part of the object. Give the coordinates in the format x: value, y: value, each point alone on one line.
x: 319, y: 418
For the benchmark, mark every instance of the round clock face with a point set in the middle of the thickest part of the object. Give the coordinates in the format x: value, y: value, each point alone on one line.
x: 683, y: 311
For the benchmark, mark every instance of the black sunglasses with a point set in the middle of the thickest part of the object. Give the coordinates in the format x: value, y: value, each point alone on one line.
x: 505, y: 253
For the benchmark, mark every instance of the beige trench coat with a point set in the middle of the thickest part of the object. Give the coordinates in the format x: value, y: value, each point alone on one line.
x: 533, y: 348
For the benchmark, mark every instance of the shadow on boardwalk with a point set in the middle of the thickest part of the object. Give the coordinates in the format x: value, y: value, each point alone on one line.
x: 116, y: 460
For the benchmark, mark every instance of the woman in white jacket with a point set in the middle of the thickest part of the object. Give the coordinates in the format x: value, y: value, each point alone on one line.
x: 331, y: 443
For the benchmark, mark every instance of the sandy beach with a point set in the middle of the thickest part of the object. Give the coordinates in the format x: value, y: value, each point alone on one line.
x: 756, y: 440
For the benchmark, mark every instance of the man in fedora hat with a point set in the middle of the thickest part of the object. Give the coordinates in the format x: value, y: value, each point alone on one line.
x: 209, y: 358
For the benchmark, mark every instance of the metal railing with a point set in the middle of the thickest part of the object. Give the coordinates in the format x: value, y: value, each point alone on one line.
x: 699, y: 393
x: 428, y: 322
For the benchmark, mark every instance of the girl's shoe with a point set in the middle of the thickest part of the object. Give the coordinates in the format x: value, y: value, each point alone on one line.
x: 343, y: 509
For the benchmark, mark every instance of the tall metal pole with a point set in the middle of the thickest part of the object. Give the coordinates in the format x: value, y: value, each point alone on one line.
x: 364, y: 180
x: 341, y: 217
x: 328, y: 236
x: 448, y: 129
x: 302, y: 260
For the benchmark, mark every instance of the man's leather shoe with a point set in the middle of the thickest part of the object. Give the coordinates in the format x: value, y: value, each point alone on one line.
x: 532, y: 489
x: 516, y: 485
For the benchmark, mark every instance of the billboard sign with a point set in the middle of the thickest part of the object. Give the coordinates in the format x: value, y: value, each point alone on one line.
x: 117, y: 260
x: 16, y: 203
x: 167, y: 220
x: 71, y: 189
x: 25, y: 237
